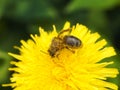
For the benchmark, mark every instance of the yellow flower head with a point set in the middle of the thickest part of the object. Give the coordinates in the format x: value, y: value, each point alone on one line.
x: 69, y: 68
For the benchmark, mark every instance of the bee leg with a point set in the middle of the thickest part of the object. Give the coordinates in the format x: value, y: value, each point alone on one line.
x: 70, y: 50
x: 63, y: 31
x: 57, y: 55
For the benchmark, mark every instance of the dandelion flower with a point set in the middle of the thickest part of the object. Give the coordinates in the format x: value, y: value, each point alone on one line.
x: 82, y: 70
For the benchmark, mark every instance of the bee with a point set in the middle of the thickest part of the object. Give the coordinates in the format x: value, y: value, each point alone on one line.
x: 63, y: 41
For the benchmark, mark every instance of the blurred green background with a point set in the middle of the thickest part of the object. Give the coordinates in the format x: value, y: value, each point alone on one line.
x: 19, y: 18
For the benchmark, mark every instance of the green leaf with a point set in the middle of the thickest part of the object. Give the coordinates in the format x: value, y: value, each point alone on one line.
x: 90, y: 4
x: 2, y: 6
x: 28, y: 10
x: 4, y: 65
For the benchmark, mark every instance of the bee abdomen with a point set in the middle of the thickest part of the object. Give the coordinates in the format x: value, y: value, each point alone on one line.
x: 72, y: 41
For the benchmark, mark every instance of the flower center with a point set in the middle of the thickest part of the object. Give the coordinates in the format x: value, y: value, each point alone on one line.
x: 60, y: 74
